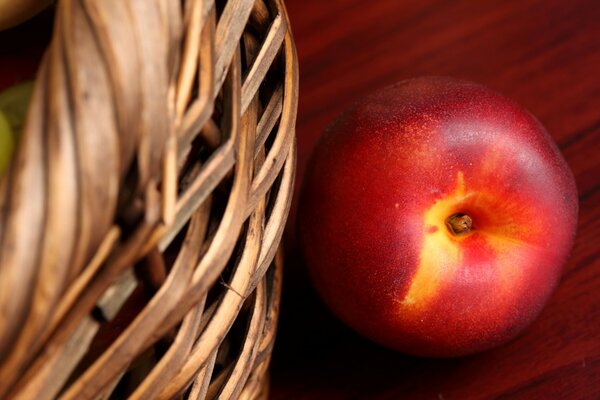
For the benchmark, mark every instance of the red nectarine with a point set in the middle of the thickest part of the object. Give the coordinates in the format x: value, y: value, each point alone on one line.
x: 436, y: 216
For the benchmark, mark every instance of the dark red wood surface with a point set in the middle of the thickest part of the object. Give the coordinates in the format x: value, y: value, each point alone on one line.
x: 545, y: 55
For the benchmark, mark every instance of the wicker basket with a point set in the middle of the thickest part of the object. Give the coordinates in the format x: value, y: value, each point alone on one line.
x: 142, y: 212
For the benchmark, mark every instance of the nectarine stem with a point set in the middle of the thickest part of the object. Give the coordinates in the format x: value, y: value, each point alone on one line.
x: 459, y: 223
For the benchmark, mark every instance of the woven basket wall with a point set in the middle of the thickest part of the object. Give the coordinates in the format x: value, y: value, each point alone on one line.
x: 142, y: 212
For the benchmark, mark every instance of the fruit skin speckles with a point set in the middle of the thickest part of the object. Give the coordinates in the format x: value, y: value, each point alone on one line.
x: 374, y: 213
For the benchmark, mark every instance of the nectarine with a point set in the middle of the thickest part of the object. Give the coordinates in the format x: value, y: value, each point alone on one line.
x: 436, y: 216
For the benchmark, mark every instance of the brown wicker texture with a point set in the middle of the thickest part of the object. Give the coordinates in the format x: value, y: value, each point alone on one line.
x: 143, y: 209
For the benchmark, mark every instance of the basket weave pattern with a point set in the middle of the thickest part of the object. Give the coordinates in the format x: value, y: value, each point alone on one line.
x: 141, y: 215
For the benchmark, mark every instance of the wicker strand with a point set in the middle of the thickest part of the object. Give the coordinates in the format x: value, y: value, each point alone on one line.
x: 110, y: 175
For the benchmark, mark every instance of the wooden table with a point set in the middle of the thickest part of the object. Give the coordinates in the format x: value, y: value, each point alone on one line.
x: 545, y: 55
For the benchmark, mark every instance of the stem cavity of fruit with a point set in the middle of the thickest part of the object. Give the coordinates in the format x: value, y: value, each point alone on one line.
x: 459, y: 224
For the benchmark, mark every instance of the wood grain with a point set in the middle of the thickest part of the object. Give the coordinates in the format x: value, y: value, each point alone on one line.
x: 545, y: 55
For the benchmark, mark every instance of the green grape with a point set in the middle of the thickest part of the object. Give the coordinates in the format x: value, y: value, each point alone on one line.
x: 14, y: 102
x: 6, y: 143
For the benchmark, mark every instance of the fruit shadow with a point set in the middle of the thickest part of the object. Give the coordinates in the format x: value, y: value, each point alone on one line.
x: 317, y: 356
